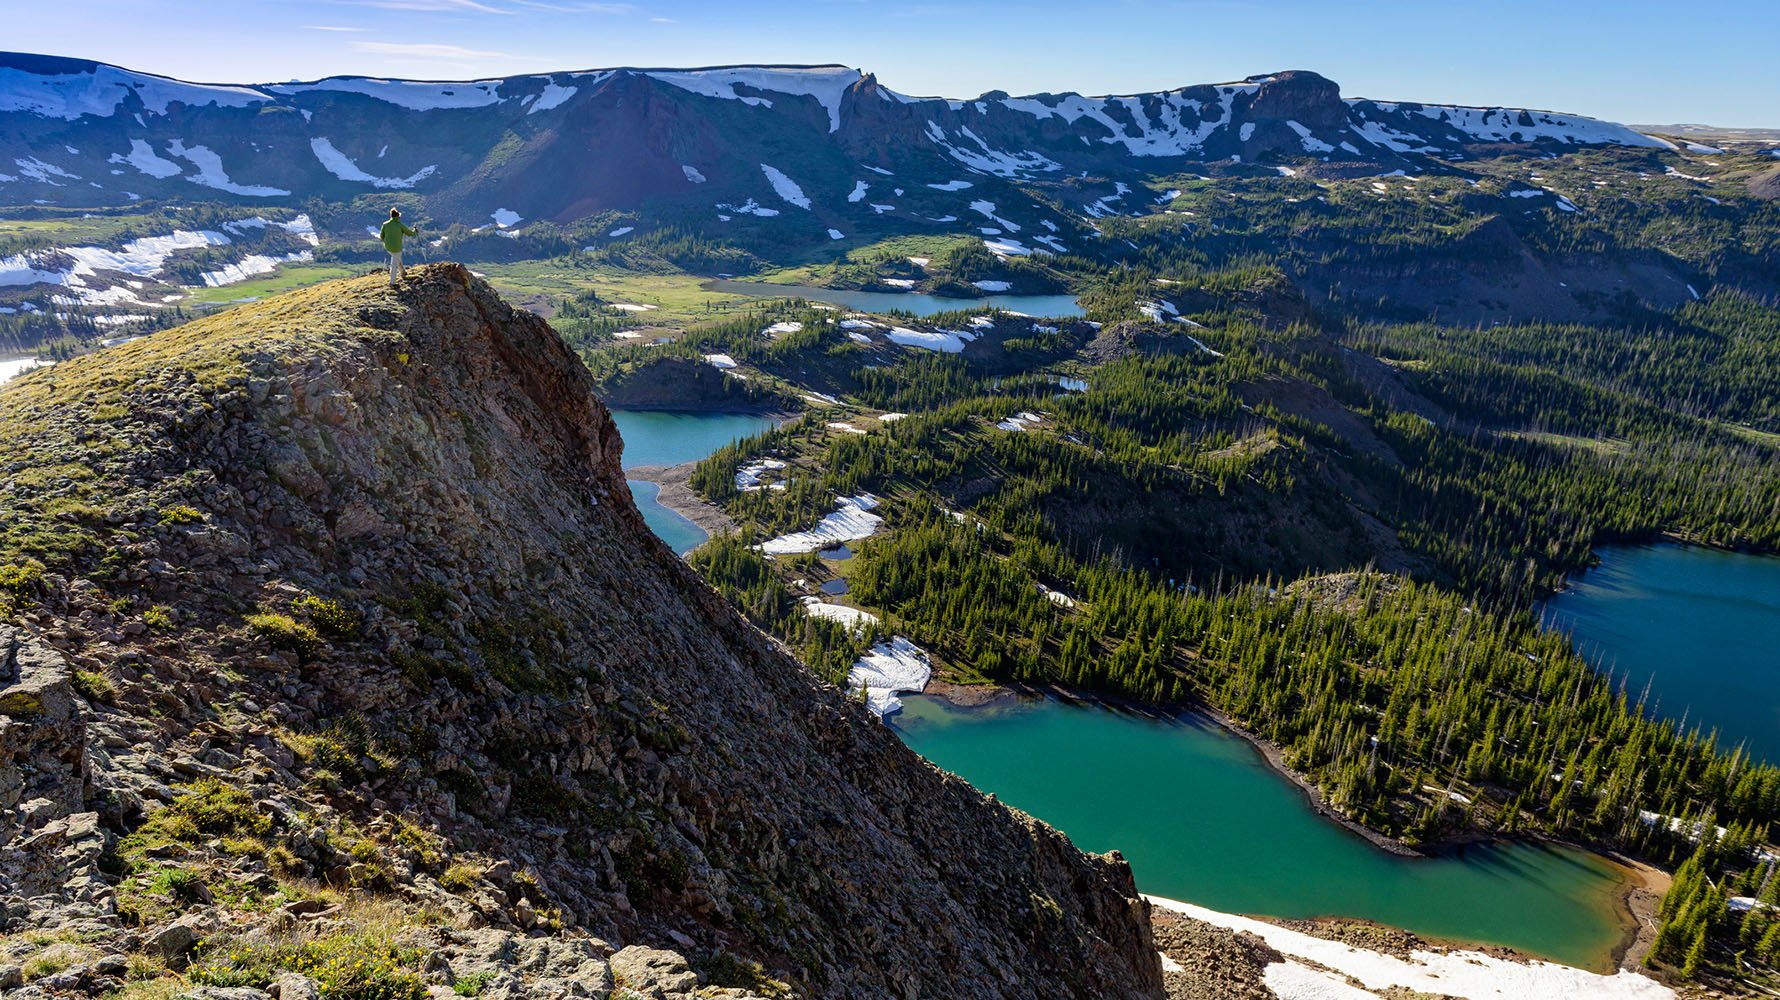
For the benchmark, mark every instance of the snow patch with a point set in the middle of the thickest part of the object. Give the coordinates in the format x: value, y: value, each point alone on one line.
x: 553, y: 96
x: 210, y: 172
x: 415, y: 95
x: 18, y: 366
x: 827, y: 84
x: 944, y: 341
x: 1469, y: 974
x: 859, y: 189
x: 785, y: 187
x: 853, y: 617
x: 993, y: 286
x: 104, y: 89
x: 752, y: 477
x: 145, y: 160
x: 692, y: 173
x: 341, y: 166
x: 891, y: 668
x: 505, y: 217
x: 750, y: 207
x: 851, y: 521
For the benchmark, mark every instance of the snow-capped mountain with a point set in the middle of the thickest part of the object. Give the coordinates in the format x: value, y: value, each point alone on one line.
x: 739, y: 140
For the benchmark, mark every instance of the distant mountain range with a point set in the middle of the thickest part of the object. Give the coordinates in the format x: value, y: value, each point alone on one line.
x: 724, y: 141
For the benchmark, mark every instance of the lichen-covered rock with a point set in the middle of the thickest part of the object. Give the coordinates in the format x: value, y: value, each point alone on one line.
x: 383, y: 666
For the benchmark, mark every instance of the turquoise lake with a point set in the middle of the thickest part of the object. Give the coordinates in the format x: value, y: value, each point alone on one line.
x: 1202, y: 818
x: 1699, y: 626
x: 916, y: 303
x: 653, y: 438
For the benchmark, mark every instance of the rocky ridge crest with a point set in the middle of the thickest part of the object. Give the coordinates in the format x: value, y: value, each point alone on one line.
x: 338, y: 661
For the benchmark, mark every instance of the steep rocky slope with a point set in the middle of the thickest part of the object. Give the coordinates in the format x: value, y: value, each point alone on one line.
x: 335, y: 654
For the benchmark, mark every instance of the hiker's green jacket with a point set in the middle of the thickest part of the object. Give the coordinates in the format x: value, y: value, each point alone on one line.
x: 391, y: 234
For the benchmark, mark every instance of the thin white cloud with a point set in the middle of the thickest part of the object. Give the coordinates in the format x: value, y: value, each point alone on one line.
x: 431, y: 6
x: 331, y: 27
x: 576, y: 6
x: 426, y: 50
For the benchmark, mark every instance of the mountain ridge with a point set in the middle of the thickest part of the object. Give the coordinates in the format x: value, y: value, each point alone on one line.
x: 81, y: 137
x: 351, y: 604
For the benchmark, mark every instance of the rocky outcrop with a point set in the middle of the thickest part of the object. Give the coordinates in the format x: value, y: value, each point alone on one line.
x: 382, y: 666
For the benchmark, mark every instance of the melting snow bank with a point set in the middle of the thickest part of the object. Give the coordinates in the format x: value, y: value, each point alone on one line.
x: 1472, y: 975
x: 889, y: 669
x: 857, y: 619
x: 851, y: 521
x: 12, y: 369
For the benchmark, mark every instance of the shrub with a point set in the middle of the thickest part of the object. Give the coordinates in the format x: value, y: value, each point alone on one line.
x: 181, y: 514
x: 335, y: 750
x: 20, y: 579
x: 473, y: 984
x: 204, y: 810
x: 159, y: 618
x: 461, y: 878
x: 182, y: 884
x: 353, y: 966
x: 95, y: 687
x: 285, y: 632
x: 331, y: 617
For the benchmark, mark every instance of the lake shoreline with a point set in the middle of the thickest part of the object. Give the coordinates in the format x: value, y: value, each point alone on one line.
x: 677, y: 495
x: 1642, y: 884
x: 969, y: 696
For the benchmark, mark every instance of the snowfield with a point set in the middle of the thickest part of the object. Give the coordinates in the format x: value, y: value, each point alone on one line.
x: 852, y: 520
x: 211, y: 173
x: 554, y: 95
x: 890, y: 668
x: 1471, y: 975
x: 415, y: 95
x: 13, y: 369
x: 944, y: 341
x: 341, y: 166
x: 252, y: 266
x: 826, y: 84
x: 720, y: 360
x: 505, y: 217
x: 815, y: 608
x: 750, y: 207
x: 144, y: 258
x: 145, y: 160
x: 993, y: 286
x: 752, y: 476
x: 785, y: 187
x: 101, y: 92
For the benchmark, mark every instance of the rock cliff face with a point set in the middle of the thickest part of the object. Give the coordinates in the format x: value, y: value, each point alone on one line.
x: 331, y: 635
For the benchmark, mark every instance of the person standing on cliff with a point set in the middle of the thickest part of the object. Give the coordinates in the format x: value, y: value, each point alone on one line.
x: 391, y: 234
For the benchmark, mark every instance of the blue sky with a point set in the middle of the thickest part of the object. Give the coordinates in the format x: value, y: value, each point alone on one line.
x: 1631, y: 61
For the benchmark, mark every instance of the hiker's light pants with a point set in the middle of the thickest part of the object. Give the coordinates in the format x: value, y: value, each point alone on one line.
x: 395, y: 266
